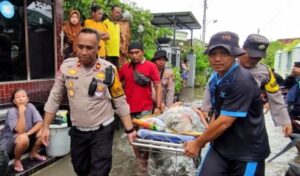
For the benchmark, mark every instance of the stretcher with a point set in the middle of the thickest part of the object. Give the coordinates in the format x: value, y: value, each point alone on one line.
x: 162, y: 142
x: 149, y: 140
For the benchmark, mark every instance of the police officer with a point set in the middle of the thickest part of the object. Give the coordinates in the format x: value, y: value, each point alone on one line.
x: 167, y: 78
x: 255, y: 46
x: 90, y: 83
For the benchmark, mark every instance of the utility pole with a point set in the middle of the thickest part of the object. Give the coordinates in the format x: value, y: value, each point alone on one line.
x: 204, y: 21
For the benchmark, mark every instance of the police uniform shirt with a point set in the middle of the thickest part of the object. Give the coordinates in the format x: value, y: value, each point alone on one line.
x: 278, y: 107
x: 246, y: 139
x: 87, y: 111
x: 168, y: 87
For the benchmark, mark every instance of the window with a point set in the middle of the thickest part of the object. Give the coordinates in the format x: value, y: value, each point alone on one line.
x: 39, y: 47
x: 41, y: 39
x: 12, y: 45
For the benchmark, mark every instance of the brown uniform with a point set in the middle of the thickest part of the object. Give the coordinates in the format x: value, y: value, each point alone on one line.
x: 168, y: 87
x: 87, y: 111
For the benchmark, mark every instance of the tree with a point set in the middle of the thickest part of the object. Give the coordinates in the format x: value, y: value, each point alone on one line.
x: 271, y: 51
x: 274, y: 47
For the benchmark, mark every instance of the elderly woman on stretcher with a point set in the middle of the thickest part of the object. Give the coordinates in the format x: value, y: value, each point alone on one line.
x: 177, y: 120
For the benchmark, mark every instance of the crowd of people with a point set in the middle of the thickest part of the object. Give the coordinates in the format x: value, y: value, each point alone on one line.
x: 103, y: 74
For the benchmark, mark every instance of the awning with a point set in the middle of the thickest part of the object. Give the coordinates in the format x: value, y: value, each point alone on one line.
x: 179, y: 20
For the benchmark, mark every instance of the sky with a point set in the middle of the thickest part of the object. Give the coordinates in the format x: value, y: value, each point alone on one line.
x: 275, y: 19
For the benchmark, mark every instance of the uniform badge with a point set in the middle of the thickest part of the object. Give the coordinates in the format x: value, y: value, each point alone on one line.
x: 72, y: 71
x: 98, y: 66
x: 261, y: 47
x: 100, y: 76
x: 100, y: 88
x: 70, y: 84
x: 71, y: 93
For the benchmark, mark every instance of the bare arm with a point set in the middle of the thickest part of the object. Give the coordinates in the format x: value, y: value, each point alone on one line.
x: 20, y: 126
x: 37, y: 126
x: 158, y: 90
x: 104, y: 36
x: 214, y: 130
x: 126, y: 121
x: 296, y: 71
x: 202, y: 118
x: 48, y: 117
x: 170, y: 91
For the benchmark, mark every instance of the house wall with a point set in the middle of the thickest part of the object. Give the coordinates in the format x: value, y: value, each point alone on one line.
x: 38, y: 90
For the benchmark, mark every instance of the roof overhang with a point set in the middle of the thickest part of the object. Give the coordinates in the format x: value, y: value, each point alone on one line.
x: 177, y: 20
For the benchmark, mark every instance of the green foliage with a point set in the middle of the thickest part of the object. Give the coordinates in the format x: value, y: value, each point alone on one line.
x: 289, y: 47
x: 274, y: 47
x: 271, y: 51
x: 201, y: 79
x: 150, y: 34
x: 178, y: 79
x: 83, y: 6
x: 203, y: 69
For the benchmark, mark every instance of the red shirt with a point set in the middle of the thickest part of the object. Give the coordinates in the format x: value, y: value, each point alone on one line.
x: 138, y: 97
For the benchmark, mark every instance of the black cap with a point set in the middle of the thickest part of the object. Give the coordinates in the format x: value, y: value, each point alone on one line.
x: 160, y: 54
x: 256, y: 45
x: 135, y: 45
x: 226, y: 39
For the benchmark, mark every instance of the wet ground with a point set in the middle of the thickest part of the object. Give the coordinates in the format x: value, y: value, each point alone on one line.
x: 124, y: 162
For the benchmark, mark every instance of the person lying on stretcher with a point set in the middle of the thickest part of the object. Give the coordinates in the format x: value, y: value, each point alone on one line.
x: 177, y: 119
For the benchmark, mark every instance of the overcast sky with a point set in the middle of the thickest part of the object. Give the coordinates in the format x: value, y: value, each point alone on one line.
x: 275, y: 19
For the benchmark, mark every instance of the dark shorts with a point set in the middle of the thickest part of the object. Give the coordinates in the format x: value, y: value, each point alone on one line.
x: 184, y: 75
x: 215, y: 164
x: 91, y: 151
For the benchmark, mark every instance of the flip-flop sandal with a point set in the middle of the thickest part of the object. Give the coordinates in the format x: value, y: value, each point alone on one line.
x: 19, y: 168
x: 38, y: 157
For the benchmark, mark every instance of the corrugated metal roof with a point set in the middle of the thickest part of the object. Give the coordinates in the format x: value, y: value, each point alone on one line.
x: 181, y: 20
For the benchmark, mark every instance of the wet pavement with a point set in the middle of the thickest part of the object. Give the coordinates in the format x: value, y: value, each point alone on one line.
x: 124, y: 162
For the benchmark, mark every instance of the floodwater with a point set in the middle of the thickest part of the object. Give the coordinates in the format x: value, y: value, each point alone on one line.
x: 124, y: 162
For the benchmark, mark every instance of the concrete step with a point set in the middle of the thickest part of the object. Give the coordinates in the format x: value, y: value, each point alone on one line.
x: 30, y: 166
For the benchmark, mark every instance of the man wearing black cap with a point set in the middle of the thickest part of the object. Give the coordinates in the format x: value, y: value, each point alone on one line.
x: 137, y: 76
x: 255, y: 46
x: 239, y: 141
x: 166, y: 76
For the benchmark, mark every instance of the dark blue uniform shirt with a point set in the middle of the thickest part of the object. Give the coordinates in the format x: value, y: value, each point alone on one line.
x: 237, y: 95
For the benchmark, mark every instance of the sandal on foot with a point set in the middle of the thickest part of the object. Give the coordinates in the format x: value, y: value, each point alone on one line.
x: 19, y: 168
x: 38, y: 157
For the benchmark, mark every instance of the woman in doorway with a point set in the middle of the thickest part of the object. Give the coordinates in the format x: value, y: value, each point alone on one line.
x: 71, y: 28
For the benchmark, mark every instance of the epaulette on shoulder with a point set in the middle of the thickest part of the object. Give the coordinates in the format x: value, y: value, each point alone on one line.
x: 105, y: 63
x: 70, y: 62
x: 264, y: 65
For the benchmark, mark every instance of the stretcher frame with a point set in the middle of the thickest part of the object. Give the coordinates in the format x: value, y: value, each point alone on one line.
x: 150, y: 145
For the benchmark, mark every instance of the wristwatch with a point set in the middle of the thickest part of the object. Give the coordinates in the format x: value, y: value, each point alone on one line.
x: 129, y: 131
